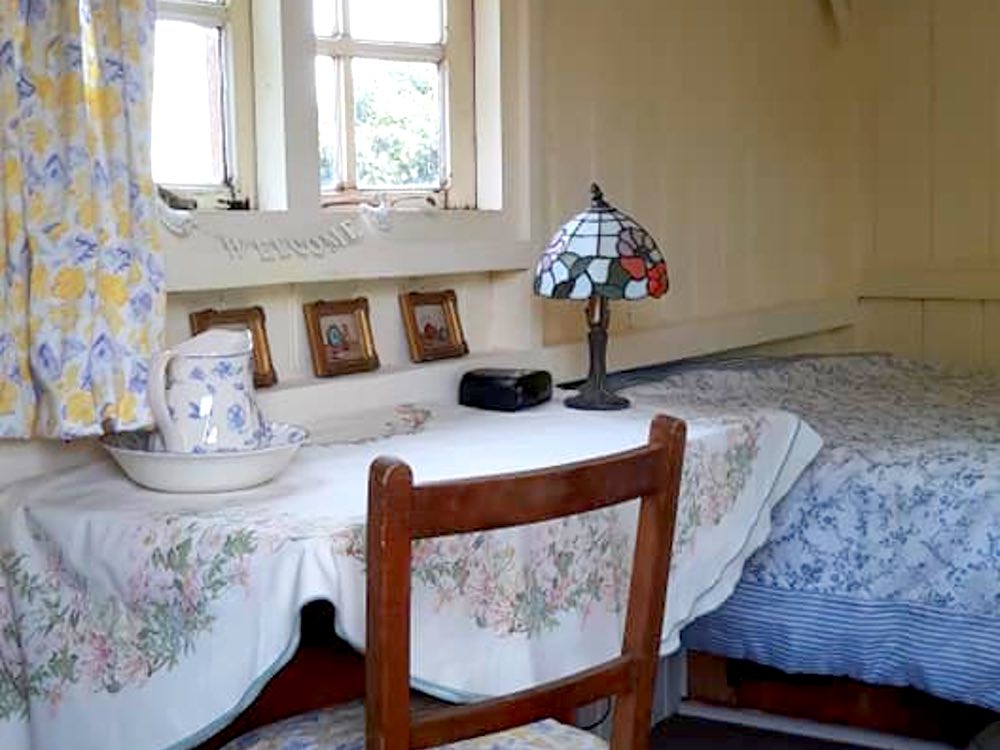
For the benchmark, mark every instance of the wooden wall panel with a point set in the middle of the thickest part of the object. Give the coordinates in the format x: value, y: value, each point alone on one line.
x: 994, y: 255
x: 892, y: 325
x: 936, y: 115
x: 902, y: 194
x: 936, y: 195
x: 837, y: 341
x: 953, y: 333
x: 991, y: 335
x: 964, y: 38
x: 962, y: 335
x: 730, y: 129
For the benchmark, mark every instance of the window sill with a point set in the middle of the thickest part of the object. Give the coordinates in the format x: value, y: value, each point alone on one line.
x: 419, y: 243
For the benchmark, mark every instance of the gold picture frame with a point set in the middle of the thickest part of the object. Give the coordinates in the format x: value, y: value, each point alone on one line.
x: 340, y: 337
x: 247, y: 318
x: 433, y: 329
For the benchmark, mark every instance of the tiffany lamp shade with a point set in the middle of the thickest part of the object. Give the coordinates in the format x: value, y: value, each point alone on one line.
x: 600, y: 255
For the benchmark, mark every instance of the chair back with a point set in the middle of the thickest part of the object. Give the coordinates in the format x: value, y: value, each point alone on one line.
x: 400, y: 512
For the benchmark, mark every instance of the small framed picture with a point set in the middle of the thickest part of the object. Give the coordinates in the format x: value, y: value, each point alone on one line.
x: 242, y: 319
x: 340, y: 337
x: 433, y: 329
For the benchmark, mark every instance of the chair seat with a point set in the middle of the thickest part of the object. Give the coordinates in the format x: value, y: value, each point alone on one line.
x: 343, y: 728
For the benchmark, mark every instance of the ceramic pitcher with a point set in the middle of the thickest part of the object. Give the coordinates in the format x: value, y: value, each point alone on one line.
x: 202, y: 397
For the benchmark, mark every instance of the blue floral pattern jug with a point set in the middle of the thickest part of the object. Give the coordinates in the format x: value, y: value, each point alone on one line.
x: 202, y: 396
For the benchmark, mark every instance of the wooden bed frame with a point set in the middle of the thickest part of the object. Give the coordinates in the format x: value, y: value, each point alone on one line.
x: 731, y: 683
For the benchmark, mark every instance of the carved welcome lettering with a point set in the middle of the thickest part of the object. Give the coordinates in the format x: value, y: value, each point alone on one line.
x: 271, y: 250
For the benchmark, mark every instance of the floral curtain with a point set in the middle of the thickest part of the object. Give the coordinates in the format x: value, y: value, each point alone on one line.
x: 81, y: 279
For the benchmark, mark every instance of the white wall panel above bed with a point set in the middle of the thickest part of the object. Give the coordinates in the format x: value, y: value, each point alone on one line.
x: 953, y: 333
x: 893, y: 326
x: 902, y: 180
x: 733, y: 131
x: 959, y: 334
x: 991, y: 335
x: 931, y: 282
x: 963, y: 53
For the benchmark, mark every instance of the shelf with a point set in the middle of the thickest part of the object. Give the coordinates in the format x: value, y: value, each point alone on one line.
x: 309, y: 401
x: 419, y: 244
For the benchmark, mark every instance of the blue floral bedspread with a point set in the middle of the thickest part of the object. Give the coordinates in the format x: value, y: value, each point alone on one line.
x: 884, y: 559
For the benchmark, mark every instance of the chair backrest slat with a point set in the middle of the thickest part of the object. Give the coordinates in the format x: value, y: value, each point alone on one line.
x: 531, y: 497
x: 400, y: 512
x: 610, y: 678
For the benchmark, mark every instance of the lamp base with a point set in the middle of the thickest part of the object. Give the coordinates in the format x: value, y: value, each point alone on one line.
x: 596, y: 399
x: 592, y: 395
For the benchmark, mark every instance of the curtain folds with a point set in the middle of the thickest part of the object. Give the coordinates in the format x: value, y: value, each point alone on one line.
x: 82, y: 295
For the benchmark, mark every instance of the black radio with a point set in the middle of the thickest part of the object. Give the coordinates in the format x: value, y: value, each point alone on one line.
x: 501, y: 389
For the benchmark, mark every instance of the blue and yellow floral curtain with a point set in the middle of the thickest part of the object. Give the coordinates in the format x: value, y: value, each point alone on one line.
x: 81, y: 278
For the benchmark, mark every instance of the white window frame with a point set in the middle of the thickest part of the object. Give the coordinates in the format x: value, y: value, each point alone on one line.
x: 454, y: 55
x: 233, y: 17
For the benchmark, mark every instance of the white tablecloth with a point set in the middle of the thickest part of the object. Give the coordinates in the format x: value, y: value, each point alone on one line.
x: 134, y: 620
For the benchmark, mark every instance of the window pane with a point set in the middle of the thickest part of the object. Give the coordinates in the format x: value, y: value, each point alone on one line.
x: 397, y: 113
x: 396, y: 20
x: 188, y: 129
x: 329, y: 123
x: 325, y: 17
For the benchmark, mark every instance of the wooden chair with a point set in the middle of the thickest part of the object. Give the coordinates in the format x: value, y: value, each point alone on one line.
x: 400, y: 512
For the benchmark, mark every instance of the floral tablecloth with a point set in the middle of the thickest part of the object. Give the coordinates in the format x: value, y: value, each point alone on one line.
x: 135, y: 620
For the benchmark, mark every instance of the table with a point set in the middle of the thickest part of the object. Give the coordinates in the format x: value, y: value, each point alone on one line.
x: 135, y: 620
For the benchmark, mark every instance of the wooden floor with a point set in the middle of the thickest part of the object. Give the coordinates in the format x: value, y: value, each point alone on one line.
x: 685, y: 733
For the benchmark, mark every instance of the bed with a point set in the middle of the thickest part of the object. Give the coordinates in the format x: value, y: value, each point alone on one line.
x: 883, y: 561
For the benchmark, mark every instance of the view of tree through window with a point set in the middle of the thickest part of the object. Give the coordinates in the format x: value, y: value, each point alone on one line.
x: 397, y: 124
x: 392, y: 137
x: 385, y: 88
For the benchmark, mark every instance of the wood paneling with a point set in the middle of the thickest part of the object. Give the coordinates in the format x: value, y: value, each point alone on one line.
x: 936, y: 108
x: 923, y: 283
x: 894, y: 326
x: 962, y: 335
x: 953, y: 333
x: 901, y: 39
x: 932, y: 276
x: 962, y: 131
x: 991, y: 335
x: 836, y: 341
x: 731, y: 130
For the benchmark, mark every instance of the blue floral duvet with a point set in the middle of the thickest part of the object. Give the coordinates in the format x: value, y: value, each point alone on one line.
x: 883, y: 562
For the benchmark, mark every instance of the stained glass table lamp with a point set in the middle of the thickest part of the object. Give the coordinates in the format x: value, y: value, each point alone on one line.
x: 600, y: 255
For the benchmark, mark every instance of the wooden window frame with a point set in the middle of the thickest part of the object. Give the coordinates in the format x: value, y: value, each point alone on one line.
x: 454, y: 55
x: 233, y: 18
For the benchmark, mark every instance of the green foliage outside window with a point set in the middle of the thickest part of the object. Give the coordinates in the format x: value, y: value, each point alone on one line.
x: 397, y: 126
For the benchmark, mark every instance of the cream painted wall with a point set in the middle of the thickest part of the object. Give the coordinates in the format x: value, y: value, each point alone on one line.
x: 470, y: 252
x: 283, y: 308
x: 732, y: 130
x: 931, y: 281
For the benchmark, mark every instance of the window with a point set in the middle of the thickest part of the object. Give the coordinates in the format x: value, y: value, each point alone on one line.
x: 394, y: 87
x: 198, y: 99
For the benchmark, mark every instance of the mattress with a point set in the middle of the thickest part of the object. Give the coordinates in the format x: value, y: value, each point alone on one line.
x: 883, y: 562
